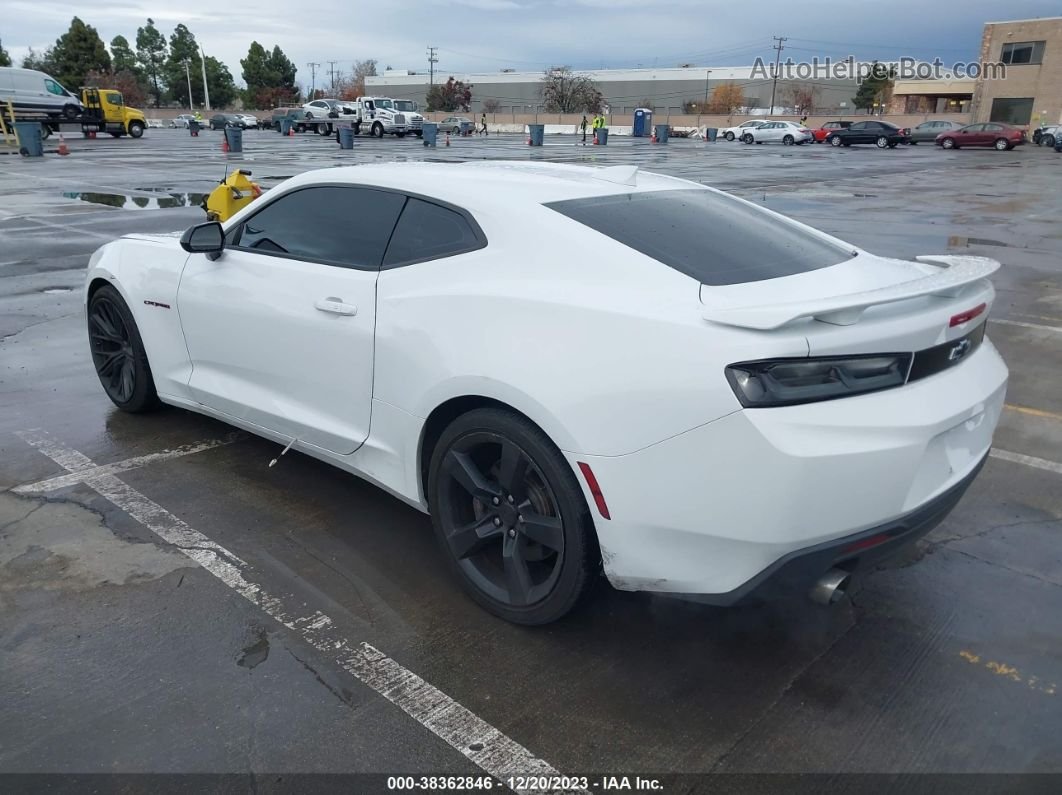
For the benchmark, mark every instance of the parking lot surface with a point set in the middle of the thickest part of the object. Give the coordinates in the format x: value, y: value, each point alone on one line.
x: 169, y: 603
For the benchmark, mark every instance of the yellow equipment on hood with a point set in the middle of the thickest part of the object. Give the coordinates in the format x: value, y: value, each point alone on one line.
x: 234, y: 193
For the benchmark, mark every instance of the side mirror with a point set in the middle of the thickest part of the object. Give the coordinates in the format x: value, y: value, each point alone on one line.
x: 208, y: 238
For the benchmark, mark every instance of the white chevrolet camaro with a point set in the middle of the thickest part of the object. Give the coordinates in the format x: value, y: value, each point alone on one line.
x: 574, y: 369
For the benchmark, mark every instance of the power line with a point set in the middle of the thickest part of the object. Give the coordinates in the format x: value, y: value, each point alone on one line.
x: 313, y: 77
x: 432, y: 60
x: 777, y: 60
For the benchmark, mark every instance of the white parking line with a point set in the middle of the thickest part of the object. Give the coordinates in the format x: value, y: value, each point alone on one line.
x: 484, y: 745
x: 79, y: 475
x: 1027, y: 460
x: 1023, y: 324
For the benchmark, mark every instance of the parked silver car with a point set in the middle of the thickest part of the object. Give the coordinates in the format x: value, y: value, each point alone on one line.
x: 927, y: 131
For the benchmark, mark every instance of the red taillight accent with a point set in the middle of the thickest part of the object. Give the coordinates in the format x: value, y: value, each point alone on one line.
x: 967, y: 316
x: 595, y: 489
x: 867, y: 543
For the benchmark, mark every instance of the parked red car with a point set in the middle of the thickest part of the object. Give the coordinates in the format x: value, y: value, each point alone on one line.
x: 1000, y: 136
x: 829, y: 127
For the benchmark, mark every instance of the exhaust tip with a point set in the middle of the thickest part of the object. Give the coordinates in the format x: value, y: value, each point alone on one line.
x: 830, y: 587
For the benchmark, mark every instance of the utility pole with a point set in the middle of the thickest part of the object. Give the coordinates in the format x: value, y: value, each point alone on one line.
x: 313, y: 79
x: 206, y: 90
x: 432, y: 60
x: 188, y: 77
x: 707, y: 74
x: 332, y: 72
x: 777, y: 61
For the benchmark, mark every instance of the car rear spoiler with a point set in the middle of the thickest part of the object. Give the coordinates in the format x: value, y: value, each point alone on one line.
x: 952, y: 274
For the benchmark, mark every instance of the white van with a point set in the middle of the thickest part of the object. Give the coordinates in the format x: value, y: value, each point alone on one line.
x: 31, y: 91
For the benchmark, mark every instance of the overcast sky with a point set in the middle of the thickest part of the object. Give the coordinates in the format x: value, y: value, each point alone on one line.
x: 526, y: 35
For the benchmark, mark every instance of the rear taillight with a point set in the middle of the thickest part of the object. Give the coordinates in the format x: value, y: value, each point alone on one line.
x: 788, y: 382
x: 967, y: 316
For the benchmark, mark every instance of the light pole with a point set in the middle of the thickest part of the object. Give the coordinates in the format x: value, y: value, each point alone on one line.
x: 707, y: 74
x: 206, y: 91
x: 188, y: 77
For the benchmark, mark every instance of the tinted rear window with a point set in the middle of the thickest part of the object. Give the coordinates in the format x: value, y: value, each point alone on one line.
x: 709, y: 236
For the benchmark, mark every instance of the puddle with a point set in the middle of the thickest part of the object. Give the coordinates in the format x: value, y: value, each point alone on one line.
x: 256, y: 653
x: 125, y: 201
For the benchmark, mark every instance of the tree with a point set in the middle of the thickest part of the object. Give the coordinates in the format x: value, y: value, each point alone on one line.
x: 38, y: 60
x: 151, y: 55
x: 183, y: 48
x: 491, y: 105
x: 5, y: 59
x: 133, y: 92
x: 76, y: 53
x: 270, y: 77
x: 453, y: 95
x: 219, y: 80
x: 800, y: 97
x: 123, y: 59
x: 876, y: 88
x: 725, y: 99
x: 563, y: 91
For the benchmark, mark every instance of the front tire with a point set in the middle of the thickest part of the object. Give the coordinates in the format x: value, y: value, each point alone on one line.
x: 511, y: 517
x: 118, y: 353
x: 1048, y: 141
x: 948, y: 143
x: 834, y: 141
x: 136, y: 129
x: 747, y: 138
x: 377, y: 130
x: 71, y: 111
x: 1002, y: 144
x: 729, y: 136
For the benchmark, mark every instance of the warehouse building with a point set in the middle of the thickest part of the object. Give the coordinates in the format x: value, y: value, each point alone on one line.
x: 1031, y: 91
x: 670, y: 91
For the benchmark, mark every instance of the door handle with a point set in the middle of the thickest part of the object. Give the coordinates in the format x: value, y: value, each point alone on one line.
x: 335, y: 305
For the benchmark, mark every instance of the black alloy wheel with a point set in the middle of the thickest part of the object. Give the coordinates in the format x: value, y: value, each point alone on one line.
x: 511, y: 517
x: 118, y: 353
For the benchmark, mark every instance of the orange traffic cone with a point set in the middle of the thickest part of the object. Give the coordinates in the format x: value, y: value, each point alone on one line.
x: 291, y: 131
x: 225, y: 144
x: 63, y: 148
x: 447, y: 139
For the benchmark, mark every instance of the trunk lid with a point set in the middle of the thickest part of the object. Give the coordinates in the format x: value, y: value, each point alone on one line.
x: 867, y: 304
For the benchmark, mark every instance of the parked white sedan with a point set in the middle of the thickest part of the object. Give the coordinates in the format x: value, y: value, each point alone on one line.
x: 545, y: 359
x: 780, y: 132
x: 732, y: 133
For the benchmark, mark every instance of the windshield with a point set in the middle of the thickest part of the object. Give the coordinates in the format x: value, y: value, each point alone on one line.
x: 710, y: 236
x: 385, y: 103
x: 404, y: 104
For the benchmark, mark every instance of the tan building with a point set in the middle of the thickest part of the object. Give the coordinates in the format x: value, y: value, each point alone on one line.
x: 952, y: 95
x: 1031, y: 91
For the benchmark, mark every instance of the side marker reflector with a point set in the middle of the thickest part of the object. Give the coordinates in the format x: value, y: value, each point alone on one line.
x: 595, y: 489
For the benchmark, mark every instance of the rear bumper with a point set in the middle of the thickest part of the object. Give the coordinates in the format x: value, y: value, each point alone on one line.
x: 798, y: 571
x: 725, y: 506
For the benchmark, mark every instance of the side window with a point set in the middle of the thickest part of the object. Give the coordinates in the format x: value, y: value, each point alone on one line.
x: 347, y: 226
x: 859, y: 125
x: 54, y: 88
x: 429, y: 231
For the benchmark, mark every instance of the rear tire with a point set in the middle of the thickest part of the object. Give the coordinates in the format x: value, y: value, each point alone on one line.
x: 747, y: 138
x: 882, y: 142
x: 788, y: 140
x: 529, y: 559
x: 1048, y: 141
x: 729, y: 136
x: 118, y: 353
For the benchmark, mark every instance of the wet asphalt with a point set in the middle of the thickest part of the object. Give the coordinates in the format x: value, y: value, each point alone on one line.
x: 119, y: 654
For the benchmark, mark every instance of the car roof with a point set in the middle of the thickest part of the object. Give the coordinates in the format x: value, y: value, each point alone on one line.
x: 490, y: 185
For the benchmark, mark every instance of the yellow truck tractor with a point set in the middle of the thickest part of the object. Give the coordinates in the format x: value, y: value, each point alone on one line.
x: 108, y: 109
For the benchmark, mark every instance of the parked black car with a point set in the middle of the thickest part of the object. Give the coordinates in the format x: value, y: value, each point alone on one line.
x: 219, y: 121
x: 880, y: 133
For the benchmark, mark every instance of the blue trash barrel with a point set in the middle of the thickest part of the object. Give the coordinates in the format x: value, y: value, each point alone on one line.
x: 661, y: 131
x: 193, y: 127
x: 602, y: 136
x: 30, y: 142
x: 429, y: 133
x: 234, y: 135
x: 466, y: 128
x: 285, y: 126
x: 346, y: 137
x: 536, y: 133
x: 711, y: 133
